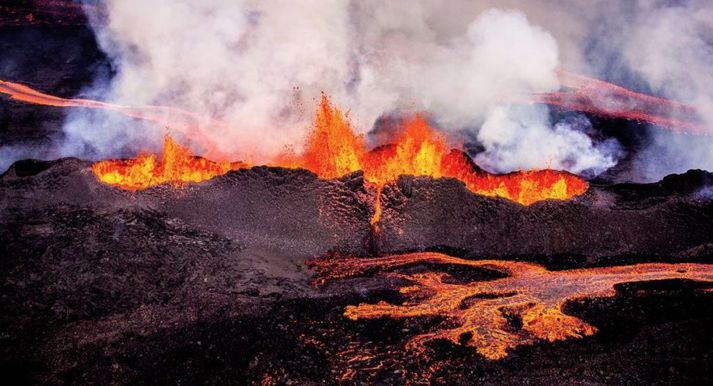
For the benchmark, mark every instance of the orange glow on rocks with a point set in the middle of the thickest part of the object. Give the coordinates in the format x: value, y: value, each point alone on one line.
x: 480, y: 314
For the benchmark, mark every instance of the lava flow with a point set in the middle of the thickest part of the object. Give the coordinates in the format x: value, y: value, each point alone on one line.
x: 191, y: 125
x: 177, y: 165
x: 597, y: 97
x: 494, y: 317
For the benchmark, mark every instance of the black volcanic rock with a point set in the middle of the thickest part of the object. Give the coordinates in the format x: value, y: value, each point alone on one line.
x: 650, y: 221
x: 94, y: 277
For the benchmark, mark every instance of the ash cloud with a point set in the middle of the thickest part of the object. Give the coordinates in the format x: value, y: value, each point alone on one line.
x: 260, y: 66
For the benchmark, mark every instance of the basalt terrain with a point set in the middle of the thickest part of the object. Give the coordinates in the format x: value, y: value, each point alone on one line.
x: 215, y: 282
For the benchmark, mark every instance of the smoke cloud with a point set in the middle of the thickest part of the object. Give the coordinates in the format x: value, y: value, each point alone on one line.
x: 672, y: 49
x: 259, y: 66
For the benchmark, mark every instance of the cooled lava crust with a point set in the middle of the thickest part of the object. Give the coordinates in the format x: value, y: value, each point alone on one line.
x: 207, y: 282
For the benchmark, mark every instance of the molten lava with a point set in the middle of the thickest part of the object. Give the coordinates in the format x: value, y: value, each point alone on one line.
x: 597, y: 97
x: 191, y: 125
x: 480, y: 314
x: 176, y: 166
x: 333, y: 150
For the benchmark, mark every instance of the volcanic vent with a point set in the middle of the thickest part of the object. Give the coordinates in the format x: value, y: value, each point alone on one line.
x: 410, y: 251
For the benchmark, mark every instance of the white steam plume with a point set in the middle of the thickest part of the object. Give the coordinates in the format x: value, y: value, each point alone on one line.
x: 259, y: 66
x: 671, y: 47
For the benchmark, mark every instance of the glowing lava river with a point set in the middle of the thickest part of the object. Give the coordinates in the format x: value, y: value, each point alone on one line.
x: 522, y: 305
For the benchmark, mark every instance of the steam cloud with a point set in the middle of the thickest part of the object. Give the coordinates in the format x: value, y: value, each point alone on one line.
x: 260, y: 66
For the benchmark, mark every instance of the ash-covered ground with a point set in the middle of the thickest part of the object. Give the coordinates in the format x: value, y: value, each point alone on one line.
x: 207, y: 283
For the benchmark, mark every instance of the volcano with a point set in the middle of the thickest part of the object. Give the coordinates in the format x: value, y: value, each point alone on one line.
x: 347, y: 261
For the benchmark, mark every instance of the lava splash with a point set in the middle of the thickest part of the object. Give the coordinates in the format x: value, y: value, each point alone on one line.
x: 177, y: 165
x: 333, y: 149
x: 480, y: 314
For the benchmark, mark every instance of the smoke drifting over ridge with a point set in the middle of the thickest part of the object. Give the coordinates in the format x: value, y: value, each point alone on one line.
x: 259, y: 66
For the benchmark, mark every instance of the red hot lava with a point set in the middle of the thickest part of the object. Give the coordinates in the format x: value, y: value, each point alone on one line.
x: 480, y: 314
x: 332, y: 150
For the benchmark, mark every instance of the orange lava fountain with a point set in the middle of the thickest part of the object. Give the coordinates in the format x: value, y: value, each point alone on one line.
x: 480, y: 314
x: 333, y: 150
x: 177, y: 165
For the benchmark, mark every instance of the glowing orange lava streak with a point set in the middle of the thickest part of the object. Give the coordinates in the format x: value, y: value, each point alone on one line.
x: 186, y: 122
x: 478, y: 314
x: 601, y: 98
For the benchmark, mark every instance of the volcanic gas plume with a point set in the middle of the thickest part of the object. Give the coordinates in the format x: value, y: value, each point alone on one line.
x: 485, y: 315
x: 333, y: 149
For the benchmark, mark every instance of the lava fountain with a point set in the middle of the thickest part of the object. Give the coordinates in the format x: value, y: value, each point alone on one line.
x: 333, y: 149
x: 177, y: 165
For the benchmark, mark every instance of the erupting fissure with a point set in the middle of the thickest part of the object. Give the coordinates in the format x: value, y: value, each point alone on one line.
x: 333, y: 149
x: 480, y: 314
x: 176, y: 165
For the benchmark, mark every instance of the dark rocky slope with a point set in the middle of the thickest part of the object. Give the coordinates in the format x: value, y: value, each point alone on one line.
x: 206, y: 282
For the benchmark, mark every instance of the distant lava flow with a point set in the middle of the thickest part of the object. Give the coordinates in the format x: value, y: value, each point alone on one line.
x: 597, y: 97
x: 184, y: 121
x: 493, y: 317
x: 176, y: 165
